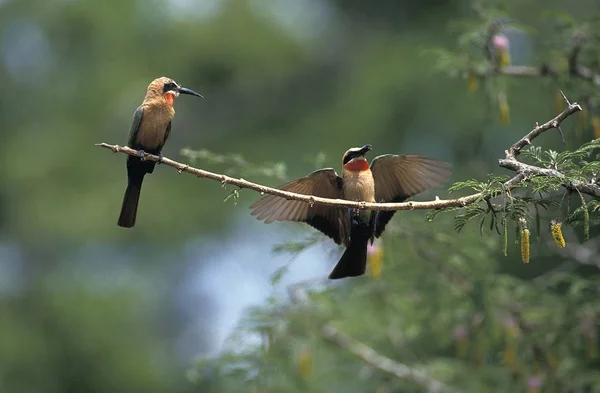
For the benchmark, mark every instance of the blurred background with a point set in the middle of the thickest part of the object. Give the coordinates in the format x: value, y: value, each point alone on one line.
x: 183, y: 302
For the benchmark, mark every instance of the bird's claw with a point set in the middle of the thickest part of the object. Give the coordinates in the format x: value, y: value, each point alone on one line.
x: 142, y: 155
x: 160, y: 158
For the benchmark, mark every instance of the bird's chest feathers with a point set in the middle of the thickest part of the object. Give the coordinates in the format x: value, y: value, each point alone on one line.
x: 153, y: 127
x: 357, y: 165
x: 359, y: 185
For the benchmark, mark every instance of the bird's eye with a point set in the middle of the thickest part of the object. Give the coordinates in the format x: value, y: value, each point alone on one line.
x: 168, y: 86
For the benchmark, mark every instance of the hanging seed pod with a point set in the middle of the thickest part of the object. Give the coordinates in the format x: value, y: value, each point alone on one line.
x: 524, y: 233
x: 596, y: 126
x: 552, y: 360
x: 511, y: 330
x: 375, y: 258
x: 525, y: 252
x: 586, y: 218
x: 586, y: 224
x: 504, y: 59
x: 503, y: 109
x: 472, y: 83
x: 557, y: 235
x: 505, y: 237
x: 509, y: 356
x: 304, y: 362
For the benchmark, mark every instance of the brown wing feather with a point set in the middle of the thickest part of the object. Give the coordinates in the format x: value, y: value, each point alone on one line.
x: 398, y: 177
x: 324, y: 183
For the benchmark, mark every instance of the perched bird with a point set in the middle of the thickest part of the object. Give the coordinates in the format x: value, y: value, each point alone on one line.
x: 389, y: 178
x: 149, y: 132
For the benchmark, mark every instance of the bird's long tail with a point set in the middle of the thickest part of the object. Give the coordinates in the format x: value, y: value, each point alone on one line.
x: 130, y: 200
x: 354, y: 260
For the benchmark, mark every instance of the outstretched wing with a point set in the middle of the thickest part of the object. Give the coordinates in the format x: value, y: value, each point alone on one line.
x: 325, y: 183
x: 398, y: 177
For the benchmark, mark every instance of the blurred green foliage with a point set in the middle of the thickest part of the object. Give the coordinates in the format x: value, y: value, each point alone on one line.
x: 86, y: 306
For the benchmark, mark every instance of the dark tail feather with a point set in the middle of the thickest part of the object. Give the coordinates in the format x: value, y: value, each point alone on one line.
x: 354, y: 260
x: 130, y: 202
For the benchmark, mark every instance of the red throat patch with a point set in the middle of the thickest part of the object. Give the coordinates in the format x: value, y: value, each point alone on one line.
x: 170, y: 97
x: 357, y: 165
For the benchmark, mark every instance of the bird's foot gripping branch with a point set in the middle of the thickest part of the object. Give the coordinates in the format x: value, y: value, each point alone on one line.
x: 541, y: 179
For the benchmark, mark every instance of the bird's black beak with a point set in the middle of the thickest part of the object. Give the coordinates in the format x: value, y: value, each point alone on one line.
x: 185, y: 90
x: 365, y: 149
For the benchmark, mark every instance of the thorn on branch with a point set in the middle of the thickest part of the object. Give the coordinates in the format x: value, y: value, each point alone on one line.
x: 562, y: 135
x: 564, y: 97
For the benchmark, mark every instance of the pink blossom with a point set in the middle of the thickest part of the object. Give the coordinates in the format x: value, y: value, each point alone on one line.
x: 500, y: 42
x: 372, y: 249
x: 534, y: 383
x: 510, y: 323
x: 460, y: 332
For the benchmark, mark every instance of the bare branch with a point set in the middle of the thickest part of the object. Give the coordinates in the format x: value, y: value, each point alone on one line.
x: 530, y: 170
x: 515, y: 149
x: 383, y: 363
x: 436, y: 204
x: 510, y: 162
x: 579, y: 71
x: 299, y: 295
x: 525, y: 71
